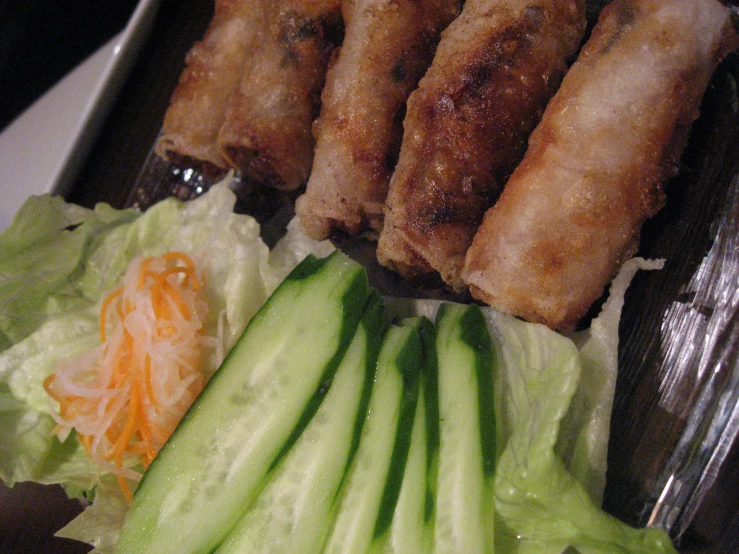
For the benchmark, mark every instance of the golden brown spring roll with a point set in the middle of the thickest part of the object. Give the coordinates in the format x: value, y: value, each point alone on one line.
x: 467, y: 127
x: 213, y: 70
x: 267, y: 130
x: 572, y: 211
x: 388, y: 45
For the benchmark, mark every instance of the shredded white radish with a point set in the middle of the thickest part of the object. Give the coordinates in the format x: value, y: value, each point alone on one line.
x: 125, y: 397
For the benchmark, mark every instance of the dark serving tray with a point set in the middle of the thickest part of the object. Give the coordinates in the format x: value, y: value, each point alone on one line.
x: 673, y: 457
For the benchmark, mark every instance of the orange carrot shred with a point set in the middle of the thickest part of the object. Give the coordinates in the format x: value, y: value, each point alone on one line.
x: 123, y: 398
x: 104, y: 311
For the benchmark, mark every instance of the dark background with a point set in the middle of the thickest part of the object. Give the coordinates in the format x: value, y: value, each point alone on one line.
x: 42, y: 40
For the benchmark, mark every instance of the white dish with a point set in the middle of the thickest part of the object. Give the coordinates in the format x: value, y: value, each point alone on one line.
x: 43, y: 149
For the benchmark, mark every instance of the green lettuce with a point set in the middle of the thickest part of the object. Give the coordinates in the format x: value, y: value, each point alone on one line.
x: 41, y: 258
x: 57, y: 260
x: 554, y: 398
x: 101, y: 523
x: 583, y: 439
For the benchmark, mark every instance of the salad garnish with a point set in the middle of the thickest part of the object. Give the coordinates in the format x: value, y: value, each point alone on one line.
x: 126, y: 396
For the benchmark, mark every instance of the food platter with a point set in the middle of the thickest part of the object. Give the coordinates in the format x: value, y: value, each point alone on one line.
x: 661, y: 407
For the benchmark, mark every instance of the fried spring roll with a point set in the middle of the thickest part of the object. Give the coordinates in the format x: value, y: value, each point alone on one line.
x: 267, y: 130
x: 212, y: 72
x: 467, y: 127
x: 572, y: 211
x: 388, y: 45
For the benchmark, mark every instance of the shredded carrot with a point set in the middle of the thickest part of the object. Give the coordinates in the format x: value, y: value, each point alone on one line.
x: 125, y: 397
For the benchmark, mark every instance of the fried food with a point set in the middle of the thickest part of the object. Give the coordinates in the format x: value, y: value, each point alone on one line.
x: 266, y: 133
x: 388, y: 45
x: 212, y: 72
x: 467, y: 127
x: 594, y: 172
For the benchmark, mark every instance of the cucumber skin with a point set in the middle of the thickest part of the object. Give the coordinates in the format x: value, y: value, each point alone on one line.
x: 406, y: 531
x: 407, y: 523
x: 375, y: 343
x: 430, y: 384
x: 411, y: 528
x: 475, y: 334
x: 409, y: 366
x: 373, y: 314
x: 139, y: 529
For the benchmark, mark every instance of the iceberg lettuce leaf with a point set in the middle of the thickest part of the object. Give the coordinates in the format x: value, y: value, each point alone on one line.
x: 548, y: 496
x: 41, y: 255
x: 583, y: 440
x: 57, y: 260
x: 99, y: 525
x: 28, y: 451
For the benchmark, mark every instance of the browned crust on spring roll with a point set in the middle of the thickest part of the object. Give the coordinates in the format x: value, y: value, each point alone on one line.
x: 388, y: 45
x: 467, y: 127
x: 212, y: 72
x: 267, y: 130
x: 572, y: 211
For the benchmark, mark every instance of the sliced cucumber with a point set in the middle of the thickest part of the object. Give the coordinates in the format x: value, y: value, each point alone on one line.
x: 408, y: 532
x: 430, y: 384
x: 370, y: 492
x: 255, y: 406
x: 464, y: 502
x: 292, y: 513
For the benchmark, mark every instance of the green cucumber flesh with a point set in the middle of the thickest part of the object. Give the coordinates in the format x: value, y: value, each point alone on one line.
x: 464, y: 501
x: 372, y: 484
x: 430, y: 385
x: 292, y: 513
x: 208, y: 473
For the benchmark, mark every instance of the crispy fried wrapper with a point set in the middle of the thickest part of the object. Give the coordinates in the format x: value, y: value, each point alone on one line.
x: 467, y: 127
x: 266, y: 133
x: 387, y: 48
x: 213, y: 70
x: 571, y: 213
